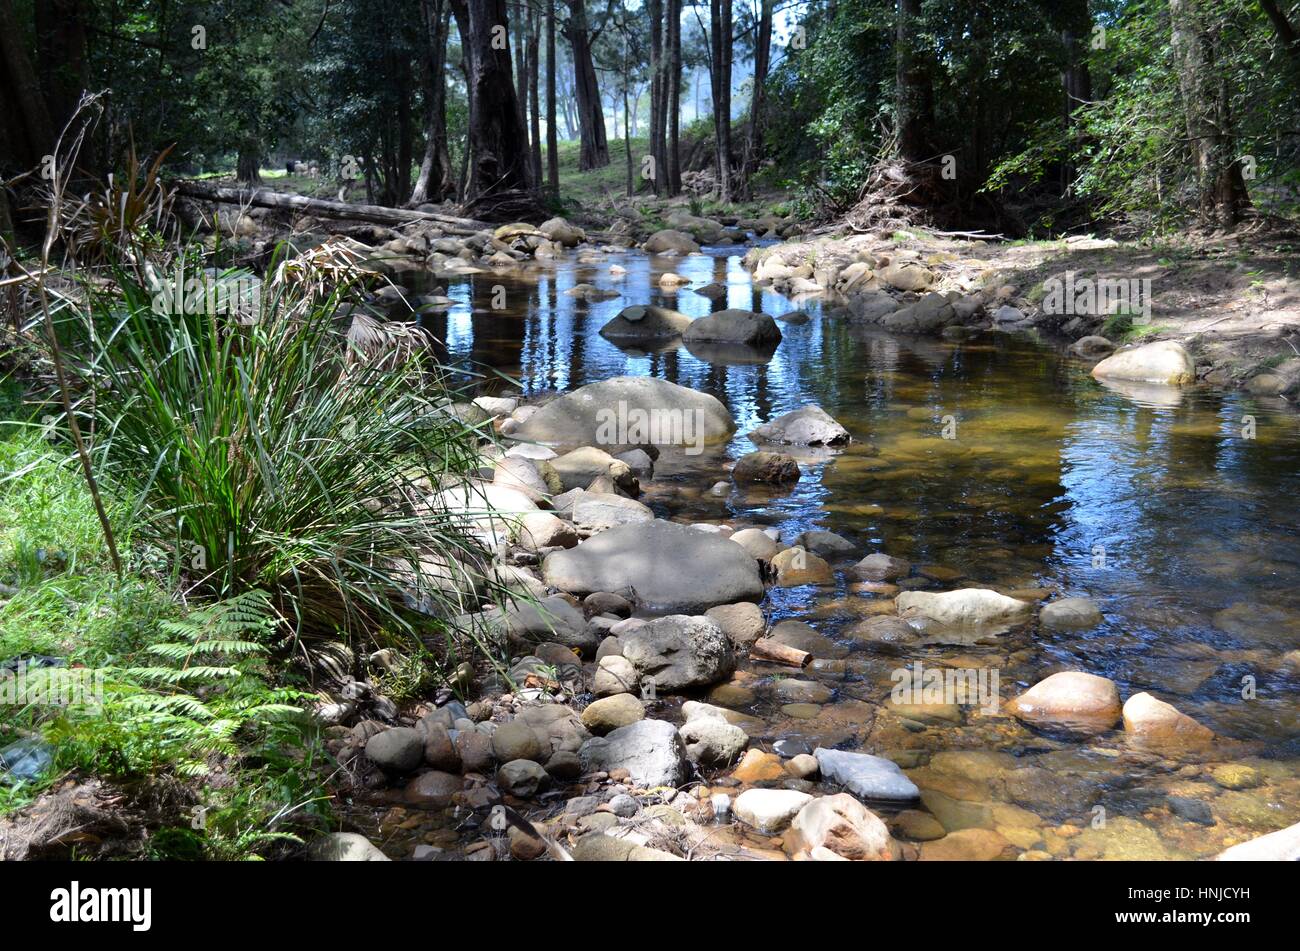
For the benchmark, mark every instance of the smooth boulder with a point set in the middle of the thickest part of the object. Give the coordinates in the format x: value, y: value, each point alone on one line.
x: 629, y: 410
x: 866, y: 776
x: 810, y: 426
x: 669, y: 241
x: 1070, y: 614
x: 963, y: 607
x: 1071, y: 701
x: 660, y: 561
x: 712, y: 741
x: 1150, y: 719
x: 1165, y: 362
x: 769, y: 810
x: 746, y: 327
x: 645, y: 322
x: 843, y: 827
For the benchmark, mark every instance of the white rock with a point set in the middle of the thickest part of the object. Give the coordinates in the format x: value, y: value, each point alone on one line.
x: 769, y: 810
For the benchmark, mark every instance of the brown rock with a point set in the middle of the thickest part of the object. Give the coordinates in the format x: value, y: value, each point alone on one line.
x: 967, y: 845
x: 743, y: 623
x: 434, y: 788
x: 610, y: 713
x: 1070, y: 700
x: 775, y: 468
x: 1150, y: 719
x: 758, y: 767
x: 795, y: 566
x: 439, y: 750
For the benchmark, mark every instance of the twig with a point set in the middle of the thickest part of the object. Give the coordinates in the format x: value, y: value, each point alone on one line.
x: 56, y: 352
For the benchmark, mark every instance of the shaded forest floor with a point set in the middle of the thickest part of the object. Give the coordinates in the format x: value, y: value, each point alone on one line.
x: 1234, y: 300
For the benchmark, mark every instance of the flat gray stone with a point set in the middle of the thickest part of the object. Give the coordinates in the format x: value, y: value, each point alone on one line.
x: 866, y: 776
x: 670, y: 567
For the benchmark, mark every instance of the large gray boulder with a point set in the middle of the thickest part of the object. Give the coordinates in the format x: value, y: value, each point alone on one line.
x: 629, y: 410
x: 745, y: 327
x: 810, y: 426
x: 650, y: 750
x: 552, y: 619
x: 562, y: 232
x: 671, y: 567
x: 645, y: 322
x: 871, y: 307
x: 712, y: 741
x: 579, y: 468
x: 926, y: 315
x: 597, y: 511
x: 679, y: 652
x: 1070, y: 614
x: 866, y: 776
x: 398, y: 750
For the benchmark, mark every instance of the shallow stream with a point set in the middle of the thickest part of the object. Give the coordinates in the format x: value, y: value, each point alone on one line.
x: 1175, y: 511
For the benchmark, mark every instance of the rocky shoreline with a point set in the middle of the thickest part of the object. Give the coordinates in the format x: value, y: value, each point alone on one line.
x: 1082, y: 294
x: 626, y: 727
x: 653, y: 711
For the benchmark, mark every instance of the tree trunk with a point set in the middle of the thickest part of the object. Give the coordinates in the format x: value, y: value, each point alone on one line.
x: 248, y: 167
x: 762, y: 58
x: 435, y: 180
x: 627, y: 124
x: 721, y: 45
x: 1221, y: 190
x: 674, y: 81
x: 400, y: 182
x: 658, y: 94
x: 321, y: 208
x: 552, y: 133
x: 61, y: 55
x: 535, y: 119
x: 462, y: 16
x: 521, y: 59
x: 912, y: 87
x: 594, y: 150
x: 498, y: 142
x: 1076, y: 80
x: 1286, y: 33
x: 34, y: 136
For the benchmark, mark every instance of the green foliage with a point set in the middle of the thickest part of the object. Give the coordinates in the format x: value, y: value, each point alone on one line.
x: 182, y: 694
x: 835, y: 94
x: 267, y: 450
x: 1130, y: 154
x: 208, y: 688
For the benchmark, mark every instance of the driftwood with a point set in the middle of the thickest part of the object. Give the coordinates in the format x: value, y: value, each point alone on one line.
x: 775, y: 652
x: 324, y: 208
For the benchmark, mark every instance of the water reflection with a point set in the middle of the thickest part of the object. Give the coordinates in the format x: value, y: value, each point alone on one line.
x: 1152, y: 502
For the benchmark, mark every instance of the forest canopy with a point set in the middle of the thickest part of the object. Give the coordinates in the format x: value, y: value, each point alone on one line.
x: 1028, y: 116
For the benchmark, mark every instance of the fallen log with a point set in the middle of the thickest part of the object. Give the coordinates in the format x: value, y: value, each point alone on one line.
x: 324, y: 208
x: 775, y: 652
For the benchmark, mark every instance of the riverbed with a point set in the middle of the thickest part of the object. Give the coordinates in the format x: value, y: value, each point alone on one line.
x: 999, y: 462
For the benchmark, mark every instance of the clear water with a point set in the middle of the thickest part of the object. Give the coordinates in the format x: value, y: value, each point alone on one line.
x: 1158, y: 507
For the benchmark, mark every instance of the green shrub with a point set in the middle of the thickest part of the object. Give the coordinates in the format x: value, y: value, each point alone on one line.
x: 283, y: 447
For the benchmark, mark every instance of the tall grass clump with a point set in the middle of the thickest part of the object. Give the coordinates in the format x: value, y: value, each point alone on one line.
x: 273, y: 439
